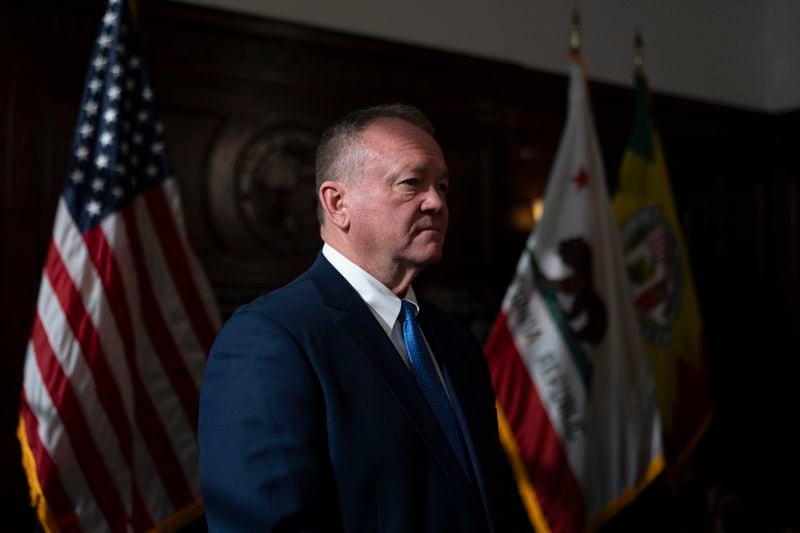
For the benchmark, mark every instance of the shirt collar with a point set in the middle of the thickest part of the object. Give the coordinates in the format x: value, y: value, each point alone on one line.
x: 380, y: 299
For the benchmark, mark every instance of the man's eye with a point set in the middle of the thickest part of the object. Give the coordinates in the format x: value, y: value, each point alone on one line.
x: 443, y: 187
x: 412, y: 182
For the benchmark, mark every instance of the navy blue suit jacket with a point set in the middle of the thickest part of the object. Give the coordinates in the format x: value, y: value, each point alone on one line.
x: 310, y: 421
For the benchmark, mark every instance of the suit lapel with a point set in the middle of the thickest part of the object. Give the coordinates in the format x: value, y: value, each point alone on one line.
x: 457, y: 382
x: 357, y: 321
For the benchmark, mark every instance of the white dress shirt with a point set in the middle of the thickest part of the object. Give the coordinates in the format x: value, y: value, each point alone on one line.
x: 382, y: 302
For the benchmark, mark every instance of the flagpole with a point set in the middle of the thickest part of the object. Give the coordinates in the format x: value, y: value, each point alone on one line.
x: 575, y: 32
x: 638, y: 52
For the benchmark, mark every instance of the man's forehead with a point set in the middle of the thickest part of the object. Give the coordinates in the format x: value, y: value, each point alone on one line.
x: 393, y: 126
x: 393, y: 135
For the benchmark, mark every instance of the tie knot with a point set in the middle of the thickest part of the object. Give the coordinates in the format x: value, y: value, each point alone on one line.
x: 408, y: 311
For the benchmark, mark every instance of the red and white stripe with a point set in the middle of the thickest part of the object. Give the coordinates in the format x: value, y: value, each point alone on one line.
x: 124, y: 322
x: 558, y: 493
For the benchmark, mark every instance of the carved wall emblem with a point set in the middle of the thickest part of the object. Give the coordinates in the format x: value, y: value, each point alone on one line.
x: 261, y: 194
x: 275, y: 192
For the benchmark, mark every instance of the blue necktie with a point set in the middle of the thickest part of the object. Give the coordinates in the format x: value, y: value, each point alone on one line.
x: 429, y: 382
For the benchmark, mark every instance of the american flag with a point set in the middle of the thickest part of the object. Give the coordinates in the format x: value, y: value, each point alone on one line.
x: 124, y: 319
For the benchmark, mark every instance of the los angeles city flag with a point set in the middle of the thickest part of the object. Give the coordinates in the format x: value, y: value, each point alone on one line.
x: 663, y: 288
x: 578, y: 411
x: 124, y: 319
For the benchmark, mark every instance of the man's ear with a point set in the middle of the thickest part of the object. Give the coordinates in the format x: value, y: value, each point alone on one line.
x: 332, y: 199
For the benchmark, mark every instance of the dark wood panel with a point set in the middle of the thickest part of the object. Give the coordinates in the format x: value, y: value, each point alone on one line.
x: 243, y: 98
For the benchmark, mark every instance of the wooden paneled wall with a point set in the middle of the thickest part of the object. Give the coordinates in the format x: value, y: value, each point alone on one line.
x: 243, y: 101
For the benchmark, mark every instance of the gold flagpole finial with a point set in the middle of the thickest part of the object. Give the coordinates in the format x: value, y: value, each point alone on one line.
x: 575, y: 32
x: 638, y: 51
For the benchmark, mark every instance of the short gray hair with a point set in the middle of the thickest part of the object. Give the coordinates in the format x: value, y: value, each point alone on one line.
x: 341, y: 143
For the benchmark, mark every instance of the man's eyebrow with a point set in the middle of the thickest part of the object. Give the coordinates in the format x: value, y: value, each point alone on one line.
x: 423, y: 169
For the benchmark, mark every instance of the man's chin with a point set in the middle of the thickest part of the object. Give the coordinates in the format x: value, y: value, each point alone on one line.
x: 429, y: 256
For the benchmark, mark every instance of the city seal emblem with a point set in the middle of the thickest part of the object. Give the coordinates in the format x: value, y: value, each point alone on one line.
x: 653, y: 262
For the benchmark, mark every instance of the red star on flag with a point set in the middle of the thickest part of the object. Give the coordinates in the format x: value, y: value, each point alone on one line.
x: 581, y: 179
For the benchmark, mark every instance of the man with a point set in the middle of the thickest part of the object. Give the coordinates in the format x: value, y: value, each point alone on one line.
x: 341, y: 402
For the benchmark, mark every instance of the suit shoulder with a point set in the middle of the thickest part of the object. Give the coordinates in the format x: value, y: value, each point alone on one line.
x: 289, y: 308
x: 446, y: 319
x: 296, y: 297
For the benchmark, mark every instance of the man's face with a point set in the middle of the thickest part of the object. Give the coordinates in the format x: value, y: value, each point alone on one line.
x: 398, y: 206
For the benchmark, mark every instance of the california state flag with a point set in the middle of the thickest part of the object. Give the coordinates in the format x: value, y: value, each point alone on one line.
x: 578, y: 409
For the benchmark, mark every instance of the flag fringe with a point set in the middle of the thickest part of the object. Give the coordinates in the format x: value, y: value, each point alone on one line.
x: 524, y: 485
x: 38, y: 501
x: 180, y: 518
x: 45, y: 515
x: 688, y: 450
x: 657, y: 465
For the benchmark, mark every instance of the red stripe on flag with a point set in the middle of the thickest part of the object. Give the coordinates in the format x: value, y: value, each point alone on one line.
x: 175, y: 253
x: 161, y: 340
x: 160, y: 335
x: 147, y: 419
x: 105, y: 384
x: 557, y: 489
x: 49, y: 480
x: 106, y: 265
x: 89, y: 340
x: 77, y: 428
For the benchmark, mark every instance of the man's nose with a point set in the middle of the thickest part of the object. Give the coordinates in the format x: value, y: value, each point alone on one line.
x: 435, y: 199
